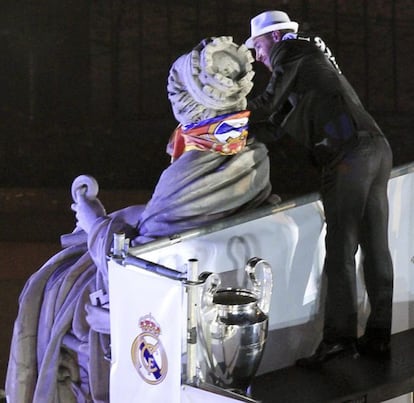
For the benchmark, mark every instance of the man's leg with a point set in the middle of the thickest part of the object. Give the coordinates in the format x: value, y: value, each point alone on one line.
x: 378, y: 268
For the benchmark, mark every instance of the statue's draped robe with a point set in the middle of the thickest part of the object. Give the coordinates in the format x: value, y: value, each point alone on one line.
x: 60, y: 351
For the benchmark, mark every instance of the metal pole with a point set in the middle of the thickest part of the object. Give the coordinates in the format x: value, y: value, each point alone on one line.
x: 119, y: 245
x: 154, y: 267
x: 192, y: 309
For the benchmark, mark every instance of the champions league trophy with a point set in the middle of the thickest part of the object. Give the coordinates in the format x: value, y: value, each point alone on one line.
x: 233, y: 326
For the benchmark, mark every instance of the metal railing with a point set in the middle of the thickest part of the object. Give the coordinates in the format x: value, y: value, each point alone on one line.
x: 244, y: 217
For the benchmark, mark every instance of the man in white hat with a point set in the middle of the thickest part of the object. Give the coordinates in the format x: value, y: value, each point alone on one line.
x: 309, y: 98
x: 274, y: 23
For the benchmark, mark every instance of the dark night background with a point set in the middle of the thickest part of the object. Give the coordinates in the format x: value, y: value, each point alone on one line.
x: 83, y: 83
x: 83, y: 90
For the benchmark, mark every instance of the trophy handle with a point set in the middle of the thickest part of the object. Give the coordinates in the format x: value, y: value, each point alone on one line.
x: 212, y: 283
x: 262, y: 288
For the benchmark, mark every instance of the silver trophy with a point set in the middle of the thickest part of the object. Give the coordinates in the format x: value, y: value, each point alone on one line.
x: 233, y: 324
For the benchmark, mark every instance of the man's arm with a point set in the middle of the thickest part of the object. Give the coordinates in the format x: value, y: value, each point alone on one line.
x: 264, y: 100
x: 265, y: 131
x: 269, y: 130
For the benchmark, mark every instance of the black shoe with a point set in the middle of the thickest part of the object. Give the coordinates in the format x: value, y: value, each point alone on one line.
x: 327, y: 351
x: 376, y: 347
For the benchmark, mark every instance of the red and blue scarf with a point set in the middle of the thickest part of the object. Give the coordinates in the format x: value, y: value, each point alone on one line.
x: 224, y: 134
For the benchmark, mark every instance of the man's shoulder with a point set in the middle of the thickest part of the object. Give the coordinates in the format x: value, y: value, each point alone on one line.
x: 307, y: 44
x: 293, y: 49
x: 300, y: 42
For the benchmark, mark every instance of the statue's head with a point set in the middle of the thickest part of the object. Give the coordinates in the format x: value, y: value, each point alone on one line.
x: 211, y: 80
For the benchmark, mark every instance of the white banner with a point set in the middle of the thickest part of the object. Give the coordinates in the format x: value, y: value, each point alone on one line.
x: 146, y: 332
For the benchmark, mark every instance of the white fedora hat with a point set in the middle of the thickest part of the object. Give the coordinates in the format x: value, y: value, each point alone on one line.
x: 269, y: 21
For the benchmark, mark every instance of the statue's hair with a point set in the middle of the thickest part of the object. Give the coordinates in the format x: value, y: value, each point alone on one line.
x: 211, y: 80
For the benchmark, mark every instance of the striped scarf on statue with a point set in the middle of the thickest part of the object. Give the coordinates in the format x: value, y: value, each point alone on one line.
x: 225, y: 134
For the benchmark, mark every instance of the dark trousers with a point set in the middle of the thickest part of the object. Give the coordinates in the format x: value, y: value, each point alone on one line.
x: 354, y: 195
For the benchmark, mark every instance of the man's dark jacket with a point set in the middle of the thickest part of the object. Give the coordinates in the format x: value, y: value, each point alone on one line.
x: 311, y: 100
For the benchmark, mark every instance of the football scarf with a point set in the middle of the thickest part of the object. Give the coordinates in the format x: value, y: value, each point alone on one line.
x: 224, y: 134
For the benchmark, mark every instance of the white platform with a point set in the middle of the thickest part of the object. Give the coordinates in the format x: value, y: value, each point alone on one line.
x: 291, y: 238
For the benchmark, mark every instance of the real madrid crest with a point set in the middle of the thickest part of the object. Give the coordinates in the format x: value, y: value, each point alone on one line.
x: 148, y: 355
